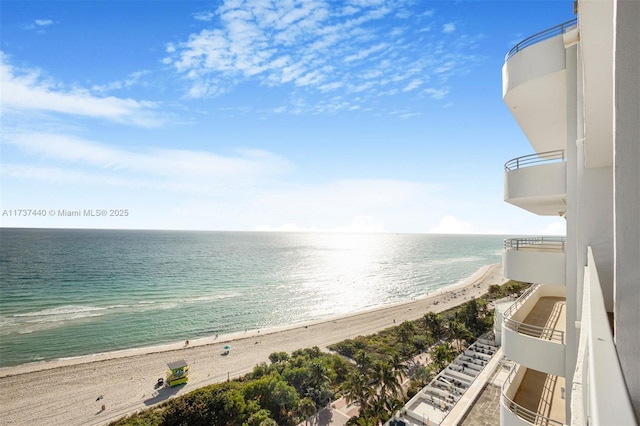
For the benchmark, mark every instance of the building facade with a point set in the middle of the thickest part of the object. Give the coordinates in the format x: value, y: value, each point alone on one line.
x: 574, y: 90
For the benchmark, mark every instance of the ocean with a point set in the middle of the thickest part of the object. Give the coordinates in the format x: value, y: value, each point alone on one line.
x: 66, y: 293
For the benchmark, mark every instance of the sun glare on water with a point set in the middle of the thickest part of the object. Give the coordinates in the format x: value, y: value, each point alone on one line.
x: 348, y: 271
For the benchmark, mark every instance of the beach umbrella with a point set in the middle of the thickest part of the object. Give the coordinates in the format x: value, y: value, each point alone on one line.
x: 227, y: 347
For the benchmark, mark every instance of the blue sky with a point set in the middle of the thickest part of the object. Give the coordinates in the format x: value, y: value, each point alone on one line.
x: 355, y: 115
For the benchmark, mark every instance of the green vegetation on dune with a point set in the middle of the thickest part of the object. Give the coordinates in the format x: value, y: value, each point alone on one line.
x: 368, y: 370
x: 286, y: 391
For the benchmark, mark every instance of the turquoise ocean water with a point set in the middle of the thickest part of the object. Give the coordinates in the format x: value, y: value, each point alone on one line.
x: 67, y: 293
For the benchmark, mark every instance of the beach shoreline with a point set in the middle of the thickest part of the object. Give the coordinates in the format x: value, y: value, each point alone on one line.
x: 66, y: 391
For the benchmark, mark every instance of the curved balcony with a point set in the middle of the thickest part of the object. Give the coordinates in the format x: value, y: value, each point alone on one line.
x: 556, y: 156
x: 533, y: 329
x: 537, y: 183
x: 535, y: 260
x: 529, y: 397
x: 534, y: 86
x: 541, y: 36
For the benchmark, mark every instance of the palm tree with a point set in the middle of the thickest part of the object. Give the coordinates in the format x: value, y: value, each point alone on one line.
x: 363, y: 362
x: 442, y: 355
x: 470, y: 315
x: 400, y: 367
x: 398, y: 363
x: 318, y: 374
x: 375, y: 387
x: 423, y: 375
x: 387, y: 385
x: 434, y: 325
x: 318, y: 383
x: 406, y: 330
x: 457, y: 331
x: 358, y: 421
x: 357, y: 388
x: 385, y: 377
x: 306, y: 408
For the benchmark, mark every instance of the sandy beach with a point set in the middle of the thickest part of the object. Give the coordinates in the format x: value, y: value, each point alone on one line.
x: 66, y: 392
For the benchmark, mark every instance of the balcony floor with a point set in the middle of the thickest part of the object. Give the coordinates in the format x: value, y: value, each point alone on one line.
x: 542, y: 393
x: 549, y: 312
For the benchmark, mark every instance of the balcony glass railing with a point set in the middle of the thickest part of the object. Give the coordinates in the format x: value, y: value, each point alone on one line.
x: 538, y: 243
x: 525, y: 414
x: 542, y: 35
x: 533, y: 159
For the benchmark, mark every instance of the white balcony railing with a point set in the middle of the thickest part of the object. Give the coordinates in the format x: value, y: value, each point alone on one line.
x: 549, y: 244
x: 541, y: 36
x: 537, y: 183
x: 521, y: 300
x: 544, y: 333
x: 522, y: 415
x: 599, y: 395
x: 540, y: 347
x: 556, y: 156
x: 535, y: 259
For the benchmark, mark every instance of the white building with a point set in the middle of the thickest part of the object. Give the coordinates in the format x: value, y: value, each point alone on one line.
x: 575, y: 92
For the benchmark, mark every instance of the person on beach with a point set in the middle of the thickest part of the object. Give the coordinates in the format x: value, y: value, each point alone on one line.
x: 103, y: 405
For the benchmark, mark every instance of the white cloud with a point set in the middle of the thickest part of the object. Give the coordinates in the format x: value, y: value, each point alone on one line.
x: 329, y: 206
x: 133, y: 79
x: 410, y: 114
x: 450, y: 225
x: 331, y: 86
x: 66, y: 176
x: 435, y: 93
x: 179, y: 170
x: 414, y: 84
x: 448, y: 28
x: 43, y: 22
x: 363, y: 48
x: 448, y: 66
x: 365, y: 52
x: 203, y: 16
x: 205, y: 190
x: 39, y: 25
x: 28, y: 90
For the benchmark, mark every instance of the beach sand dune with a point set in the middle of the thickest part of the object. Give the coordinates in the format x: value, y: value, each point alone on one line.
x: 73, y: 391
